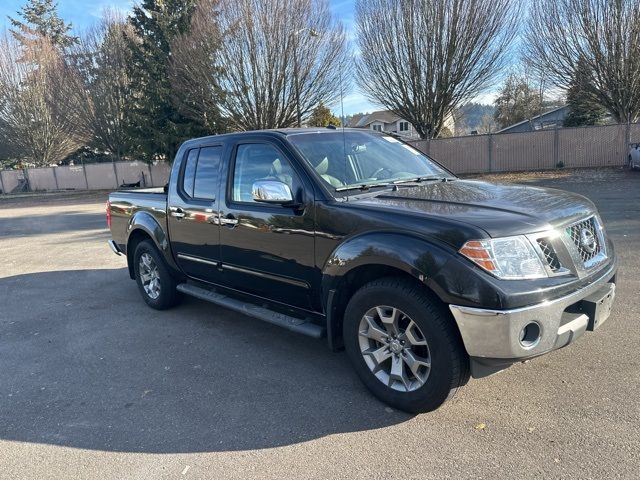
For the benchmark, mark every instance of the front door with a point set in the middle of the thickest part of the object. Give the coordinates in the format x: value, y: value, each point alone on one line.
x: 193, y: 213
x: 267, y: 250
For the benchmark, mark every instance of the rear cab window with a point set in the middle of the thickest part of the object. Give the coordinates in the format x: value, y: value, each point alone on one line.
x: 201, y: 173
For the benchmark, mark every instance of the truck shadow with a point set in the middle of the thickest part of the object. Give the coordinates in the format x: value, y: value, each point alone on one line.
x: 85, y: 364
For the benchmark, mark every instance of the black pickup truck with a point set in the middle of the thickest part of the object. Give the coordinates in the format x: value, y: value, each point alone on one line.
x: 356, y: 236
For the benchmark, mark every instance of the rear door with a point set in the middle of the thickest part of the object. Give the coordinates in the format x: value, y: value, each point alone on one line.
x: 267, y: 250
x: 193, y: 213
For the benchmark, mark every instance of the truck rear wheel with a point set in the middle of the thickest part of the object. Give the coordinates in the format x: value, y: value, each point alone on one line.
x: 404, y: 345
x: 155, y: 282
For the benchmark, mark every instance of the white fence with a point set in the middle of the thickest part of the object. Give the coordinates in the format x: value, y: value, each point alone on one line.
x: 598, y: 146
x: 93, y: 176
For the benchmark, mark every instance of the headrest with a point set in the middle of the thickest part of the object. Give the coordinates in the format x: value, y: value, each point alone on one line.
x: 323, y: 166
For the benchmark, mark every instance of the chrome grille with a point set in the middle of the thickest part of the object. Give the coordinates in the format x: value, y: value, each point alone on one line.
x: 585, y: 237
x: 549, y: 254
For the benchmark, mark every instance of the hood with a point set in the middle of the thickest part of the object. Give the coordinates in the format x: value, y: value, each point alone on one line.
x: 498, y: 209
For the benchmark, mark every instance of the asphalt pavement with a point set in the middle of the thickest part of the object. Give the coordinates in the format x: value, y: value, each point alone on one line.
x: 94, y: 384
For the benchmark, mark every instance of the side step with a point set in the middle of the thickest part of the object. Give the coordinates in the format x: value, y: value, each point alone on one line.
x: 298, y: 325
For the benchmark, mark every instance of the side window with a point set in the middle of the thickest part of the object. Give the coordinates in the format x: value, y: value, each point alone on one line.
x: 255, y: 162
x: 190, y: 172
x: 205, y: 185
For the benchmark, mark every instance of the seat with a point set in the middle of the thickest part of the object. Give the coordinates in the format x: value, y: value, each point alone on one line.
x: 282, y: 172
x: 322, y: 169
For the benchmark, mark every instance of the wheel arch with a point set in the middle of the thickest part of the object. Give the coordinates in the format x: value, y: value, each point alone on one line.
x: 371, y: 256
x: 144, y: 226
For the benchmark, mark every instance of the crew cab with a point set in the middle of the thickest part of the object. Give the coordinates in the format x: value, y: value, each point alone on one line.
x: 354, y: 236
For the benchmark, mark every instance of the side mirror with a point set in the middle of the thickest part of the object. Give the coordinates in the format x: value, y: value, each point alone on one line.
x: 271, y: 191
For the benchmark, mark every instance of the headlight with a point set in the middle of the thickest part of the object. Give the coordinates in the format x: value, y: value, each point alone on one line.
x: 510, y: 258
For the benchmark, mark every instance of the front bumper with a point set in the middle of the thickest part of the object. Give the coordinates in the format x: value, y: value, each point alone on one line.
x: 493, y: 338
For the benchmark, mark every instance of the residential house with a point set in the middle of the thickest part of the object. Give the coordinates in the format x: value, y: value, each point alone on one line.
x: 548, y: 120
x: 387, y: 121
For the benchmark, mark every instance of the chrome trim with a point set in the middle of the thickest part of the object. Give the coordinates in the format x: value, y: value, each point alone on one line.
x: 271, y: 191
x: 227, y: 221
x: 114, y: 247
x: 177, y: 212
x: 493, y: 333
x: 268, y: 276
x: 197, y: 259
x: 567, y: 251
x: 551, y: 236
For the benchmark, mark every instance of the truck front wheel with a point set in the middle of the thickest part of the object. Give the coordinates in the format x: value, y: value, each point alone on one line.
x: 403, y: 345
x: 155, y: 282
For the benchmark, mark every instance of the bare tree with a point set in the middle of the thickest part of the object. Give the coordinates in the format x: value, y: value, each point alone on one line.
x: 487, y: 124
x: 602, y: 35
x: 195, y: 71
x: 280, y: 57
x: 422, y: 59
x: 39, y: 101
x: 101, y: 56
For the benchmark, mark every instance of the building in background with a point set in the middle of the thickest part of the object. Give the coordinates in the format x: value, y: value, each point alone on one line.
x: 546, y: 121
x: 387, y: 121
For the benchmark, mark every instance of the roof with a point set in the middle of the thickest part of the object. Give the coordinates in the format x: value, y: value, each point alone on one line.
x: 384, y: 116
x: 549, y: 112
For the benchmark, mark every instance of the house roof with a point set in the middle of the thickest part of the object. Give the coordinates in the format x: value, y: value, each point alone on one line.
x: 384, y: 116
x: 537, y: 117
x: 353, y: 121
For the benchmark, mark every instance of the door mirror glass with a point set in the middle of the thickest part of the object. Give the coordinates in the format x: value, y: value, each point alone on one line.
x: 271, y: 191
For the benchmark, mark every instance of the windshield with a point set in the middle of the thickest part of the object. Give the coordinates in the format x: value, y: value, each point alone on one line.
x: 357, y: 159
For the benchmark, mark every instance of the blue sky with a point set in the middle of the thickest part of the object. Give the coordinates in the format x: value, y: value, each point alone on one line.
x: 84, y: 12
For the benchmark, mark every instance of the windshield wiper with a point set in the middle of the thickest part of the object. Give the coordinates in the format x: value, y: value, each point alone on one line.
x: 423, y: 179
x: 364, y: 186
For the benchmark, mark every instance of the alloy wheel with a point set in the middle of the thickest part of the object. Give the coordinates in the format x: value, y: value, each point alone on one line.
x: 394, y: 348
x: 149, y: 276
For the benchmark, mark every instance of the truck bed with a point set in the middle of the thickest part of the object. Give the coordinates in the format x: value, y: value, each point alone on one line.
x: 126, y: 203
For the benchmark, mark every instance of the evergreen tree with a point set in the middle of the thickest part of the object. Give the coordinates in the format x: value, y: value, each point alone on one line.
x: 583, y: 106
x: 40, y: 18
x: 157, y: 126
x: 517, y: 101
x: 322, y: 117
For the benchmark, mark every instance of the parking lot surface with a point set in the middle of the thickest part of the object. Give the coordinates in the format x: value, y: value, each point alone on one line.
x: 94, y: 384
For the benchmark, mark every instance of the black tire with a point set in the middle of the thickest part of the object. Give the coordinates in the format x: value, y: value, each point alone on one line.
x: 449, y: 360
x: 168, y: 295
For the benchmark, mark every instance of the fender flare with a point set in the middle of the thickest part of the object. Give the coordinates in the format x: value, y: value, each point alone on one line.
x: 144, y: 221
x: 414, y: 255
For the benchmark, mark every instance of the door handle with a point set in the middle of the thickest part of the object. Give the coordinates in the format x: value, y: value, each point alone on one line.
x: 176, y: 212
x: 229, y: 220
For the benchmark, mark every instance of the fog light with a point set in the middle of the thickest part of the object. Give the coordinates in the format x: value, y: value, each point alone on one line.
x: 530, y: 335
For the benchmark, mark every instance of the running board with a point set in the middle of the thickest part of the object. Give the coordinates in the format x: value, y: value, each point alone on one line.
x: 298, y: 325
